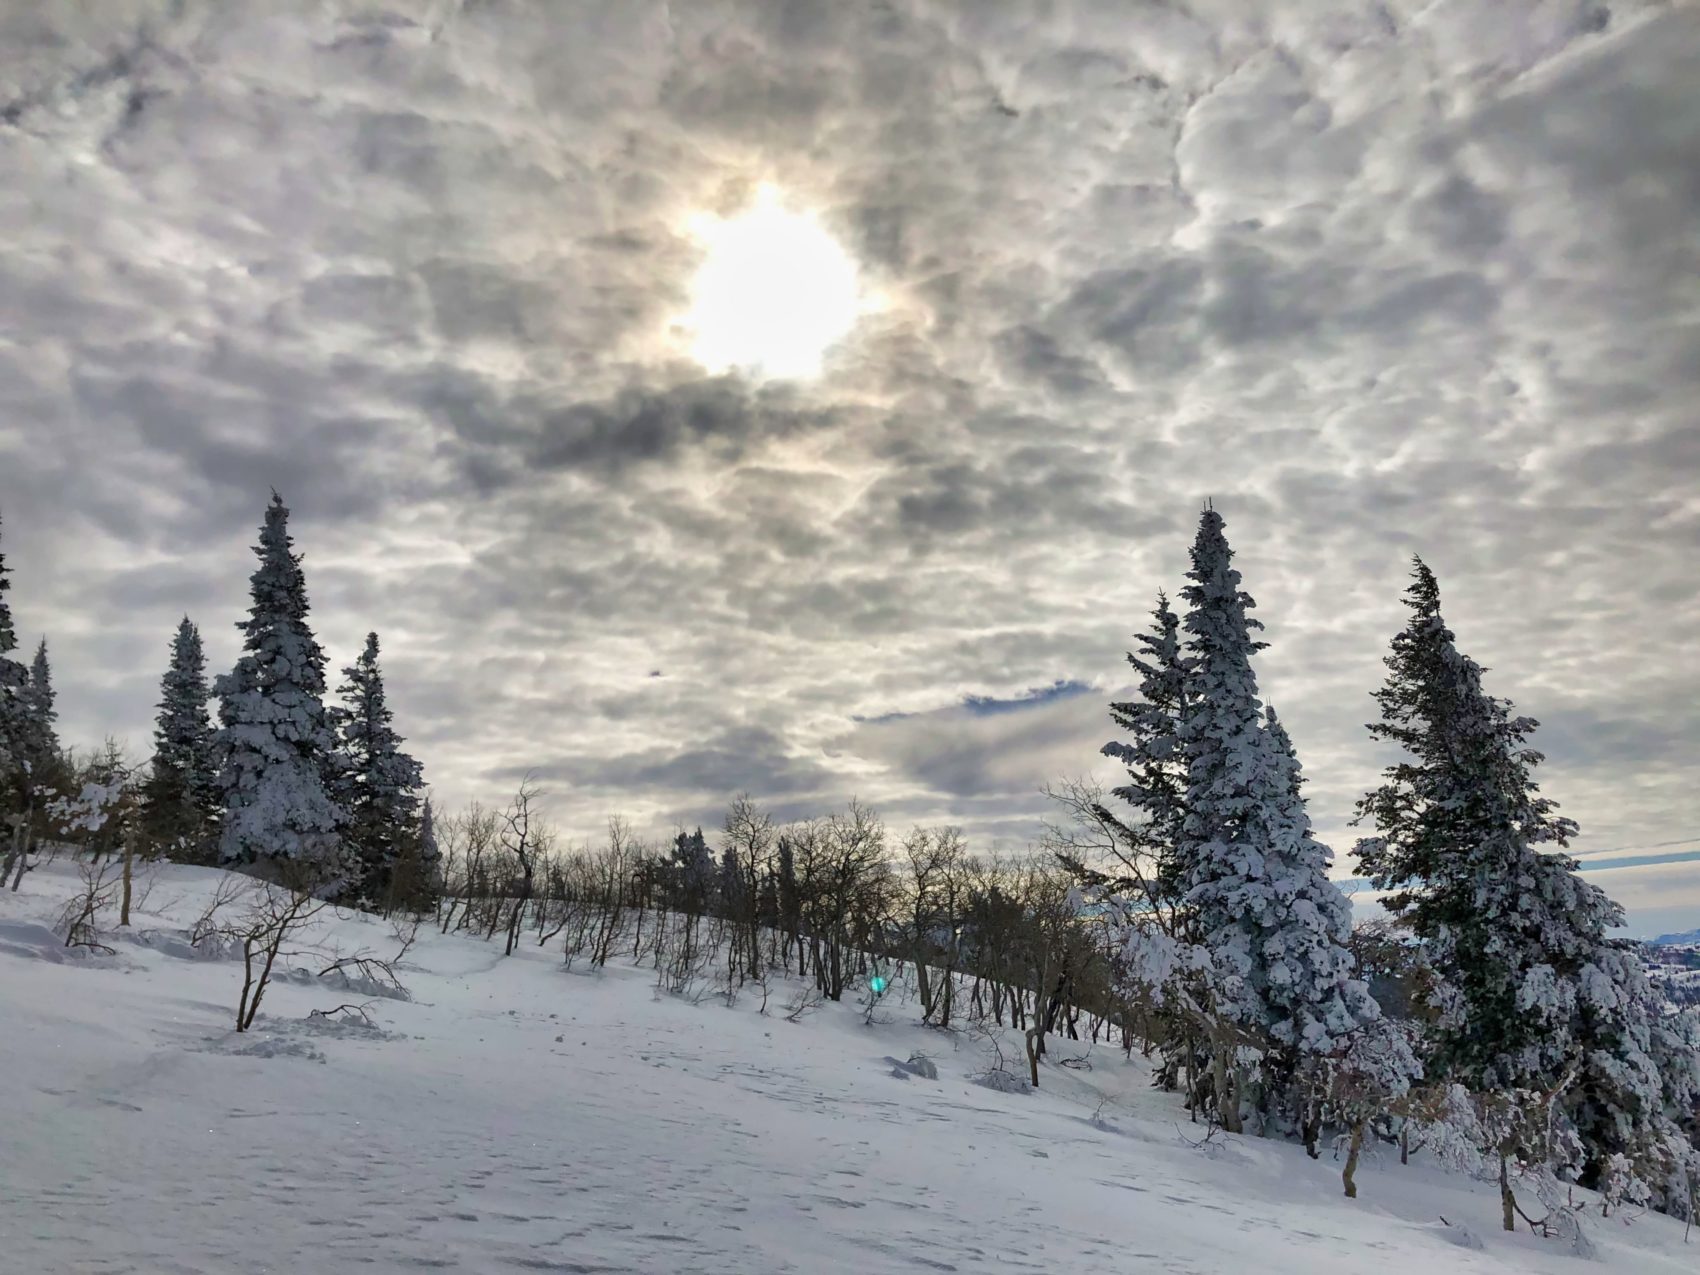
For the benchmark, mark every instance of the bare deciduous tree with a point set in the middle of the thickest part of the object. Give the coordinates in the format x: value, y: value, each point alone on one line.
x: 80, y: 920
x: 273, y: 913
x: 520, y: 839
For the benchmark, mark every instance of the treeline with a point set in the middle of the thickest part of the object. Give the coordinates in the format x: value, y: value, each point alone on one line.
x: 832, y: 900
x: 284, y: 781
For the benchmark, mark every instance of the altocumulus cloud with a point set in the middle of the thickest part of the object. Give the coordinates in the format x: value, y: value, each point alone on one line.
x: 1377, y: 277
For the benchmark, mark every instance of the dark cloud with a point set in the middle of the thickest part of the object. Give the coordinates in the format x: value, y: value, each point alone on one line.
x: 723, y: 419
x: 1376, y: 278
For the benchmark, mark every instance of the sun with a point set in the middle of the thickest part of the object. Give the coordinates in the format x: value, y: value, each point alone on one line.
x: 774, y: 293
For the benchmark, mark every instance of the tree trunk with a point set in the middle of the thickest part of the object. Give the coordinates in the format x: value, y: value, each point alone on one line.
x: 923, y: 985
x: 1227, y: 1090
x: 1348, y: 1175
x: 517, y: 917
x: 12, y: 850
x: 242, y: 1016
x: 1192, y: 1103
x: 129, y: 857
x: 1507, y: 1201
x: 22, y: 851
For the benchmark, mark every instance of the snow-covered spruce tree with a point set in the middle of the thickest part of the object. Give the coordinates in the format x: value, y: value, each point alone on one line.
x: 40, y: 705
x: 1256, y: 880
x: 1156, y: 768
x: 1532, y: 1002
x: 18, y: 782
x: 50, y: 773
x: 1368, y: 1067
x: 1127, y: 861
x: 275, y: 741
x: 378, y: 784
x: 181, y: 799
x: 44, y: 762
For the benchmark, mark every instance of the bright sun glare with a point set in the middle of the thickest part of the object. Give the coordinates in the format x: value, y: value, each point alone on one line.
x: 774, y: 291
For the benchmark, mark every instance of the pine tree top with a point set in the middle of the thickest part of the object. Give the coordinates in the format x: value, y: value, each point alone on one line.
x: 38, y: 700
x: 1218, y: 617
x: 366, y: 715
x: 1283, y: 742
x: 41, y: 676
x: 183, y: 689
x: 279, y: 587
x: 275, y: 634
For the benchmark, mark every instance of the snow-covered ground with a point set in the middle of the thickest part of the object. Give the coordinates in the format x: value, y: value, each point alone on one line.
x: 515, y: 1116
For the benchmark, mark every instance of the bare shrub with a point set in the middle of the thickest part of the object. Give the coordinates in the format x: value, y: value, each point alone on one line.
x: 996, y: 1074
x: 273, y: 913
x: 805, y: 1002
x: 345, y: 1012
x: 80, y: 921
x: 368, y: 971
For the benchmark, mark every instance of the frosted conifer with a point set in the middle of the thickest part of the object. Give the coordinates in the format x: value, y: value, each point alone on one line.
x: 378, y: 782
x: 14, y: 716
x: 40, y: 706
x: 1530, y: 993
x: 1155, y: 761
x: 1256, y: 878
x: 276, y: 739
x: 181, y: 799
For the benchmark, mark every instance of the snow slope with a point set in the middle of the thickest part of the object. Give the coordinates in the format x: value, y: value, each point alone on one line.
x: 515, y: 1116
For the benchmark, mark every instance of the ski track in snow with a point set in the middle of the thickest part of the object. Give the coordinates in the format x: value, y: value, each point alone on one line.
x: 139, y: 1134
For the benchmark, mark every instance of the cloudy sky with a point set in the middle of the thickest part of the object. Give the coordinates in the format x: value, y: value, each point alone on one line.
x: 1377, y: 278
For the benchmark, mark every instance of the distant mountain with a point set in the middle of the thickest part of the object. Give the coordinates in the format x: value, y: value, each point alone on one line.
x: 1688, y: 938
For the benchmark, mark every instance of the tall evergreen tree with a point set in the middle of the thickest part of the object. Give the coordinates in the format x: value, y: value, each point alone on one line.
x: 689, y: 872
x: 8, y: 632
x: 731, y: 884
x: 14, y: 711
x: 49, y: 769
x: 276, y: 739
x: 428, y: 883
x: 181, y: 799
x: 416, y: 878
x: 1530, y: 993
x: 1156, y: 765
x: 17, y: 781
x: 1257, y: 882
x: 1458, y: 820
x: 40, y: 704
x: 378, y: 782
